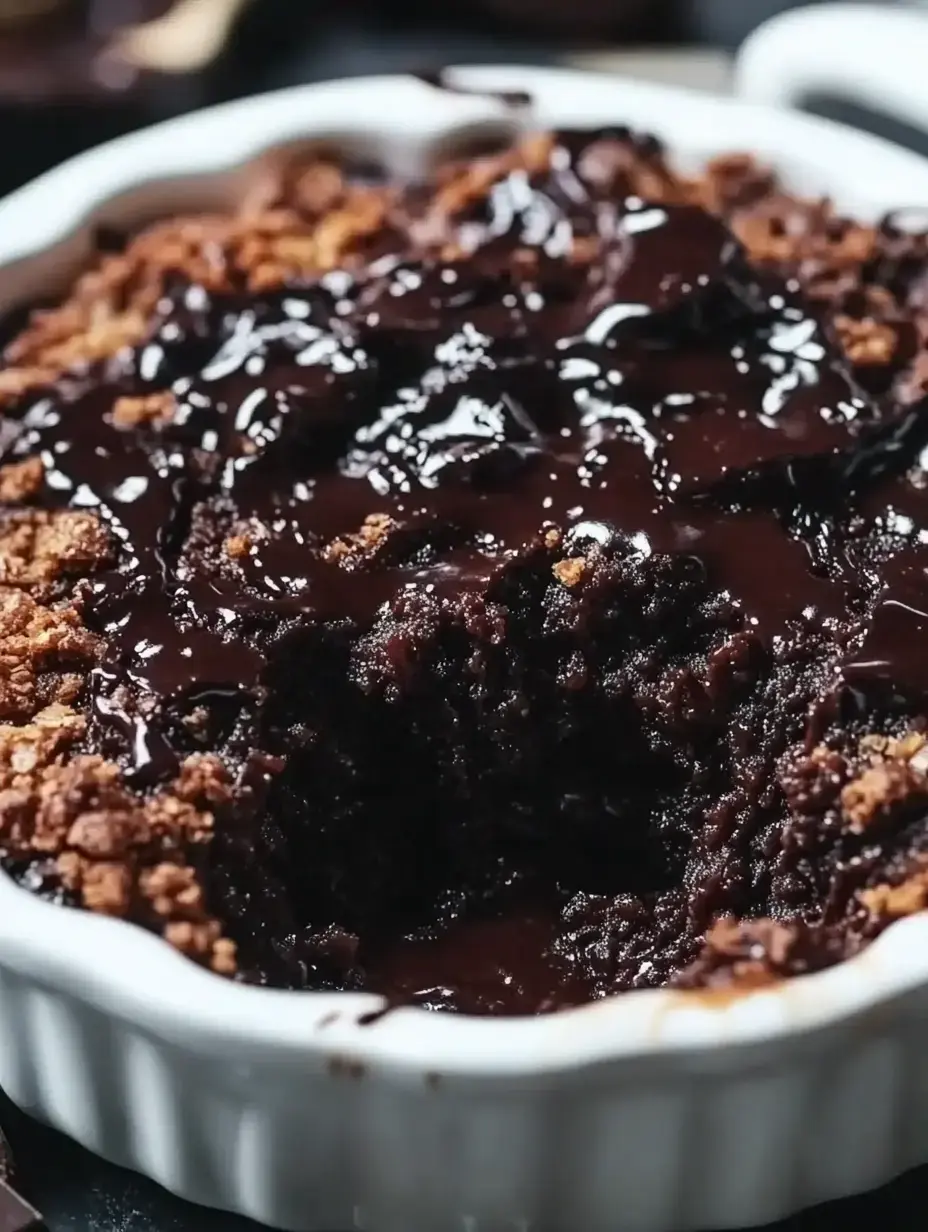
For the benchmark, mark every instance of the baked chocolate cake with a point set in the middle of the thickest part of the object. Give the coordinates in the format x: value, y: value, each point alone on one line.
x: 495, y: 592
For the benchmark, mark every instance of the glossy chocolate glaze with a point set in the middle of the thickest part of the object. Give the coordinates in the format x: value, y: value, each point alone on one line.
x: 657, y: 410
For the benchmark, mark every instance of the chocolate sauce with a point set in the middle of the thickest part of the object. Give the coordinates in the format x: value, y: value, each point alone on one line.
x: 492, y: 966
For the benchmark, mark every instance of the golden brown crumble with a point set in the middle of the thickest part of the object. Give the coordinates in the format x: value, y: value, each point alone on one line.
x: 20, y: 480
x: 112, y: 306
x: 316, y: 189
x: 865, y: 798
x: 907, y: 746
x: 746, y: 953
x: 461, y: 184
x: 570, y: 572
x: 895, y: 902
x: 39, y: 547
x: 245, y: 535
x: 24, y: 747
x: 893, y: 772
x: 203, y: 777
x: 116, y: 854
x: 303, y: 220
x: 238, y: 546
x: 806, y: 234
x: 371, y: 536
x: 311, y: 189
x: 731, y: 181
x: 150, y: 409
x: 866, y: 341
x: 45, y: 653
x: 282, y: 247
x: 17, y: 381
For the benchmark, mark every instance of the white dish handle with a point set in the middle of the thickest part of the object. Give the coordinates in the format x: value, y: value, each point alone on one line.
x: 871, y: 55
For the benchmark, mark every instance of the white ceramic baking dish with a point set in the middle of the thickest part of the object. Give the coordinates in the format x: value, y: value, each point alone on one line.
x: 645, y: 1113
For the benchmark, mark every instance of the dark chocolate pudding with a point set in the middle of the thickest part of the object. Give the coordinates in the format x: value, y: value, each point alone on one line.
x: 495, y: 592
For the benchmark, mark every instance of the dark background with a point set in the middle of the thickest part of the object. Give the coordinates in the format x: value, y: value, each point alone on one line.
x: 47, y: 115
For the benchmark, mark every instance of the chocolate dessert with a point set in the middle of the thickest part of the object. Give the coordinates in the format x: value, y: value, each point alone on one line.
x: 494, y: 592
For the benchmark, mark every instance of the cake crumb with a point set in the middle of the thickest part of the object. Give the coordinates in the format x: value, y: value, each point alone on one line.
x: 106, y: 887
x: 894, y: 771
x: 238, y: 546
x: 21, y: 480
x: 245, y: 535
x: 223, y: 959
x: 204, y: 943
x: 152, y: 410
x: 918, y: 761
x: 571, y: 571
x: 470, y: 181
x: 203, y: 779
x: 45, y: 654
x: 172, y: 890
x: 40, y: 547
x: 112, y: 851
x: 747, y: 954
x: 26, y: 746
x: 16, y: 382
x: 896, y: 902
x: 866, y: 341
x: 371, y: 536
x: 866, y: 798
x: 874, y: 744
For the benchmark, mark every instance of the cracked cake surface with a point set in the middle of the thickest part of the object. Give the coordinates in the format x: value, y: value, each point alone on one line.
x: 495, y: 591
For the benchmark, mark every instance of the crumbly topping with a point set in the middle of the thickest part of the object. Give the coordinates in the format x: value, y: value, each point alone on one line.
x: 463, y: 184
x: 805, y: 234
x: 732, y: 181
x: 281, y: 248
x: 570, y: 572
x: 860, y: 786
x: 312, y: 190
x: 246, y: 535
x: 304, y: 220
x: 238, y: 546
x: 112, y: 305
x: 895, y: 902
x: 892, y: 773
x: 20, y: 480
x: 877, y: 789
x: 45, y: 653
x: 151, y: 409
x: 116, y: 854
x: 40, y: 547
x: 748, y: 954
x: 24, y: 747
x: 372, y: 534
x: 812, y: 782
x: 866, y: 341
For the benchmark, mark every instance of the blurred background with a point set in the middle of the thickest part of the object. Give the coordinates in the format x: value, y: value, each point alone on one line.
x: 74, y: 72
